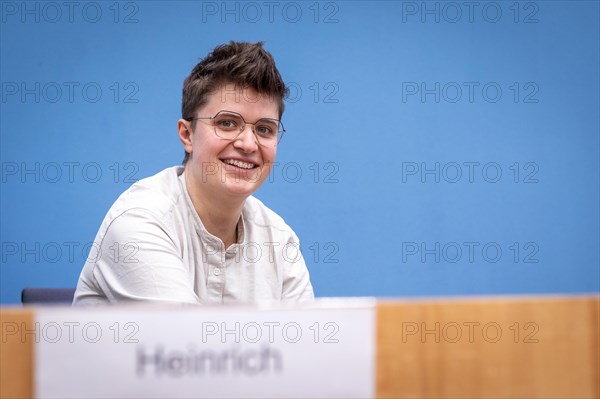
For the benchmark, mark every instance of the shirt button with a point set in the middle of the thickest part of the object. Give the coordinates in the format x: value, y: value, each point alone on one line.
x: 217, y: 272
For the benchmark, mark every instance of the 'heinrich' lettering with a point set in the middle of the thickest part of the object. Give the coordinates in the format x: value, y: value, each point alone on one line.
x: 177, y: 363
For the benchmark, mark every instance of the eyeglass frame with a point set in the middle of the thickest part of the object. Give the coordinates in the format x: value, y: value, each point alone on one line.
x: 243, y: 127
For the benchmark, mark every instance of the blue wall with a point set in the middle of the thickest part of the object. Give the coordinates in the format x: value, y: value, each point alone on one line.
x: 433, y: 148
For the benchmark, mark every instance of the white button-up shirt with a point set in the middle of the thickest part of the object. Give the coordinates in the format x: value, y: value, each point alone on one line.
x: 152, y: 246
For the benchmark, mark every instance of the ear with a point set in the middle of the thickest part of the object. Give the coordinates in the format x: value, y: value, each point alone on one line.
x: 185, y: 134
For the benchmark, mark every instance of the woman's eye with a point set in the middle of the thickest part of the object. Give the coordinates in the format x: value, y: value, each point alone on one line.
x: 264, y: 130
x: 226, y: 124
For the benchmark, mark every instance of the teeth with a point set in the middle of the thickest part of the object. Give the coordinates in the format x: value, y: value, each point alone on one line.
x: 239, y: 164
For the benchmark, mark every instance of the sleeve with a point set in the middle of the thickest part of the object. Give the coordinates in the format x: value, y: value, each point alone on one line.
x: 139, y: 260
x: 296, y: 282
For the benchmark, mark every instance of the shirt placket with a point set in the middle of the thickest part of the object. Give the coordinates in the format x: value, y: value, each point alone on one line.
x: 215, y: 279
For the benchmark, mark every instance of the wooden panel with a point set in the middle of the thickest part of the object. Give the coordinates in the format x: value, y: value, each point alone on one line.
x: 16, y: 353
x: 489, y: 348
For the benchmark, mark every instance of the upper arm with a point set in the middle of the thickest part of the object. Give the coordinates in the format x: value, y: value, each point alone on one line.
x: 139, y: 259
x: 296, y: 282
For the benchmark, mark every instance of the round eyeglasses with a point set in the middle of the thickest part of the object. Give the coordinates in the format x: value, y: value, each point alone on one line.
x: 229, y: 125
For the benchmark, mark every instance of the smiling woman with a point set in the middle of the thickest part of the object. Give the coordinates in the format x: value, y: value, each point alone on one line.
x: 194, y: 233
x: 240, y: 163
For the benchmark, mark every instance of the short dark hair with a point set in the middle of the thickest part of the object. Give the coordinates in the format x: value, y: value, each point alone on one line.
x: 241, y: 63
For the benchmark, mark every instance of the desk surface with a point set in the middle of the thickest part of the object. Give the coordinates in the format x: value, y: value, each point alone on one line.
x: 507, y: 347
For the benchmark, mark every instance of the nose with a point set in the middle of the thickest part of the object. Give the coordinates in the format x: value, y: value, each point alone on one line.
x: 246, y: 140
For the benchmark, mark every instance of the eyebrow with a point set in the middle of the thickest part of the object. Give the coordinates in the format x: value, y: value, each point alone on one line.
x: 264, y: 118
x: 268, y: 120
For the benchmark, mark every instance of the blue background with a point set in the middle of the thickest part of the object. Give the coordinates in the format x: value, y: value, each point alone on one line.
x: 379, y: 97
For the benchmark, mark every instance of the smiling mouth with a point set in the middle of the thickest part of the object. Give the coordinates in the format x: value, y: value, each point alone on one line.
x: 240, y: 164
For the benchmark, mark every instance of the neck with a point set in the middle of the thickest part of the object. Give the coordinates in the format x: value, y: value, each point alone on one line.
x: 220, y: 216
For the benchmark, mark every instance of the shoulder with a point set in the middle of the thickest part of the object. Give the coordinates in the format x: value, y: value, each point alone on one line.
x: 153, y: 205
x: 158, y: 195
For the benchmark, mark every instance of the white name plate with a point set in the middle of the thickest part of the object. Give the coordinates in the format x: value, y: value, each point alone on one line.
x: 326, y: 350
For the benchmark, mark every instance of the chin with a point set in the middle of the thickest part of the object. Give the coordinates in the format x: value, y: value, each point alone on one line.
x: 241, y: 189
